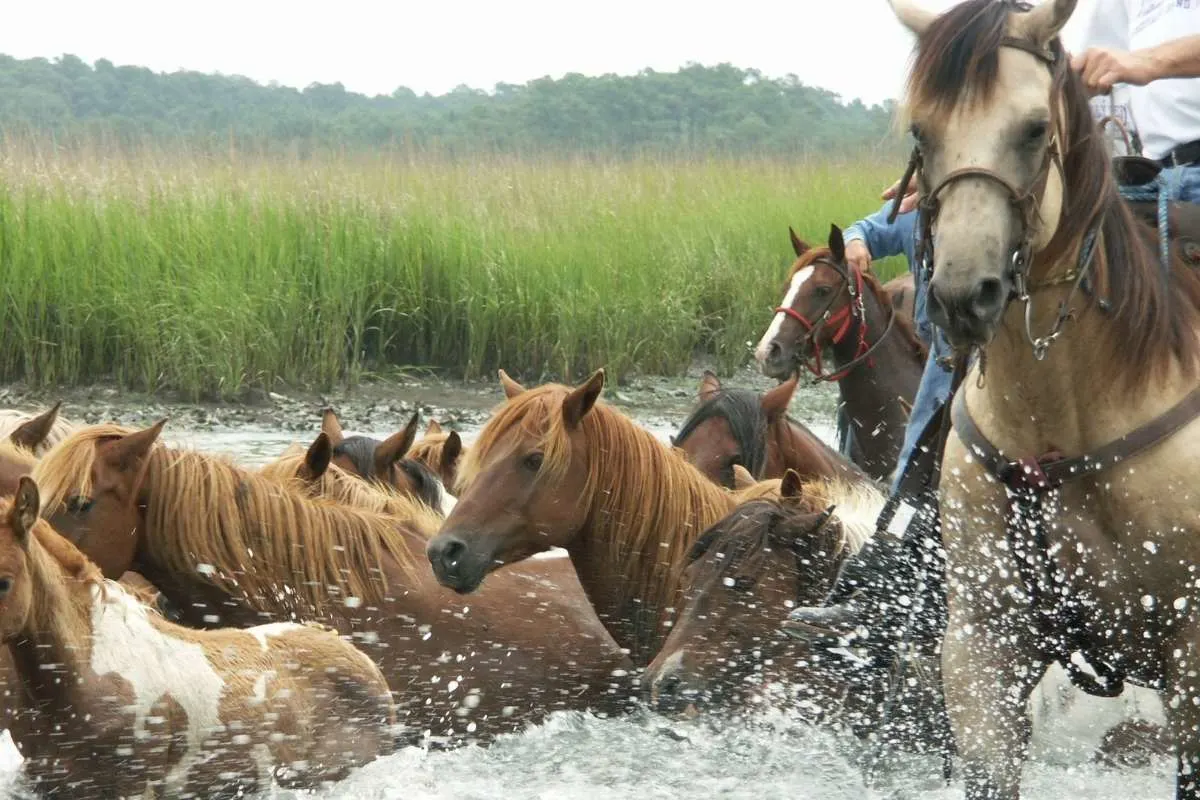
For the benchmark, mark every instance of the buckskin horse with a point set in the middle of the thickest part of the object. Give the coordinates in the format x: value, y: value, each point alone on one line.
x: 1069, y: 520
x: 877, y: 357
x: 227, y: 546
x: 121, y: 703
x: 737, y: 427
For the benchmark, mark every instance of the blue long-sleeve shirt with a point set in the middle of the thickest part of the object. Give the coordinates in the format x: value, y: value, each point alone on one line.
x: 885, y: 240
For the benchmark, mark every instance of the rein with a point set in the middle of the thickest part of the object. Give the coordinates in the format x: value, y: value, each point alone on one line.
x: 844, y: 318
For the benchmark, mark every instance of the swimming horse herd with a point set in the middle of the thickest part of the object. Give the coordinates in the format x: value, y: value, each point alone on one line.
x: 176, y: 625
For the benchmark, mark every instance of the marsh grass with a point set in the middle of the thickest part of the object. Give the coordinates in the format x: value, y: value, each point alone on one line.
x: 168, y: 270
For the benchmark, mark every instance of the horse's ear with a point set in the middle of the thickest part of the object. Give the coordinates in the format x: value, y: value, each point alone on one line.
x: 799, y: 246
x: 791, y: 486
x: 452, y: 449
x: 25, y: 508
x: 33, y: 432
x: 1043, y: 22
x: 837, y: 245
x: 775, y: 401
x: 317, y: 459
x: 912, y: 15
x: 511, y: 387
x: 582, y: 398
x: 742, y: 479
x: 331, y: 427
x: 128, y: 451
x: 710, y: 386
x: 394, y: 448
x: 433, y: 428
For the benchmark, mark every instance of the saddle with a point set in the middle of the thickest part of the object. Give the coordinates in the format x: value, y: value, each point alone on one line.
x: 1183, y: 219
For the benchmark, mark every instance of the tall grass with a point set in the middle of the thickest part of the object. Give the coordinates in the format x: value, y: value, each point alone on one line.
x: 174, y: 271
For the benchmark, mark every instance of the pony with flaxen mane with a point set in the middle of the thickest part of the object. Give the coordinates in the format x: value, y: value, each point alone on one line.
x: 170, y: 709
x: 529, y: 645
x: 441, y: 451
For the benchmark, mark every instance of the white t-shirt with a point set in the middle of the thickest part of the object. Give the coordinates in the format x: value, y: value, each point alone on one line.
x: 1166, y: 113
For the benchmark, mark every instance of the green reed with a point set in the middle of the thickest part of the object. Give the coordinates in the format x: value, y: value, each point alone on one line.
x: 208, y: 276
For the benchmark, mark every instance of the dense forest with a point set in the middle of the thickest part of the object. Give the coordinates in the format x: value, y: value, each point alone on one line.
x: 698, y: 110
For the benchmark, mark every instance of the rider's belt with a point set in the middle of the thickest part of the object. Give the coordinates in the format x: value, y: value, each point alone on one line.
x: 1182, y: 156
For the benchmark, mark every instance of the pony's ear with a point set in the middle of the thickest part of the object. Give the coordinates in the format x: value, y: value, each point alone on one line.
x: 452, y: 449
x: 317, y: 459
x: 791, y: 486
x: 582, y: 398
x: 775, y: 401
x: 1043, y: 22
x: 511, y: 387
x: 799, y: 246
x: 25, y: 508
x: 912, y: 15
x: 742, y: 479
x: 837, y: 245
x: 710, y: 385
x: 394, y: 448
x: 127, y: 452
x: 331, y: 427
x: 33, y: 432
x: 433, y: 428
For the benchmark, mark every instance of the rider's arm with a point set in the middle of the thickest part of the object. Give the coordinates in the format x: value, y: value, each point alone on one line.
x: 882, y: 239
x: 1101, y: 67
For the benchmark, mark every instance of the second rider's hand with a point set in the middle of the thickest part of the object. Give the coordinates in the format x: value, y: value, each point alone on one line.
x: 857, y: 255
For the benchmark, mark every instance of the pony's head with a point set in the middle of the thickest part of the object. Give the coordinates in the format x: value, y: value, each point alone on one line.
x: 745, y: 571
x: 440, y: 451
x: 18, y: 516
x: 993, y: 107
x: 526, y: 483
x: 729, y: 428
x: 386, y: 461
x: 92, y: 485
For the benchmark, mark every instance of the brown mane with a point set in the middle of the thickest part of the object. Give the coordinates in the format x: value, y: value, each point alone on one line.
x: 256, y: 534
x: 646, y: 502
x: 1154, y: 318
x: 903, y: 325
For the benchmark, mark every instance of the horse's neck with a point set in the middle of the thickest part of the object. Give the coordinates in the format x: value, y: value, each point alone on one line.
x: 52, y: 650
x: 1031, y: 407
x: 632, y: 599
x: 873, y: 392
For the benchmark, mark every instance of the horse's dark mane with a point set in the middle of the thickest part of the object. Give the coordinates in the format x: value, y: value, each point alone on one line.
x: 361, y: 452
x: 742, y: 410
x: 1154, y: 316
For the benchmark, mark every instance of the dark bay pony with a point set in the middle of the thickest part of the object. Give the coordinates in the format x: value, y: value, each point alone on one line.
x: 1082, y: 404
x: 122, y: 703
x: 738, y: 427
x: 387, y: 461
x: 441, y: 451
x: 877, y: 365
x: 556, y: 468
x: 227, y: 546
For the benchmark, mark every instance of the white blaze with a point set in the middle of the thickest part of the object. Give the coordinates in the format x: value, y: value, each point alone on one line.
x: 798, y: 280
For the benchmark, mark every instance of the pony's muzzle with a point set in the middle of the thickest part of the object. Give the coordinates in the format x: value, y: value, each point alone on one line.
x: 452, y: 563
x: 968, y: 310
x: 776, y: 361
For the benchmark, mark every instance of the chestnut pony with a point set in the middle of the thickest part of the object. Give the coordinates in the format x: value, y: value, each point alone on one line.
x: 555, y: 468
x: 122, y: 703
x: 441, y: 451
x: 227, y: 546
x: 877, y: 364
x: 736, y: 427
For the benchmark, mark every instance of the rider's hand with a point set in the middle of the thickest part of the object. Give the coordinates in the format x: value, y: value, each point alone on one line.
x: 909, y: 202
x: 1101, y: 67
x: 857, y: 255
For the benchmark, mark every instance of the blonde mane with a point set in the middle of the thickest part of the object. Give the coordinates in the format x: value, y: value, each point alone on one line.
x: 646, y: 504
x: 857, y: 507
x: 255, y: 535
x: 17, y: 455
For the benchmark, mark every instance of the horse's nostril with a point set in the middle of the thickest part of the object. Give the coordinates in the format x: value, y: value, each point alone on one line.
x: 988, y: 297
x: 452, y: 552
x: 774, y: 350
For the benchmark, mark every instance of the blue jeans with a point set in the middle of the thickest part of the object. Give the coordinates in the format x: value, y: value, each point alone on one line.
x: 1186, y: 182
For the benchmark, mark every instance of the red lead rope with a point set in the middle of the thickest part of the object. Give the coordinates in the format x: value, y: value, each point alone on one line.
x: 843, y: 318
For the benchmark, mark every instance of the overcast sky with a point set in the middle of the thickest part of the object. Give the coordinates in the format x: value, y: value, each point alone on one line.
x: 853, y: 47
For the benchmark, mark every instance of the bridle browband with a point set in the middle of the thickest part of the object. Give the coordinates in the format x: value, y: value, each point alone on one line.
x: 1025, y: 203
x: 844, y: 318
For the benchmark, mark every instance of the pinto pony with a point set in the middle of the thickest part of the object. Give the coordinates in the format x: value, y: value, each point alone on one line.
x: 36, y: 433
x: 122, y: 702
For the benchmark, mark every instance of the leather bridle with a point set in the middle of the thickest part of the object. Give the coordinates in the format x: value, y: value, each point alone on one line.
x: 845, y: 319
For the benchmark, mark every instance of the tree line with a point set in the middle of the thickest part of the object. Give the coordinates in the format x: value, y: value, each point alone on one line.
x: 719, y: 109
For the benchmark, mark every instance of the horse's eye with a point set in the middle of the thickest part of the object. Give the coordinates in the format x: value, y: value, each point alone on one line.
x: 743, y: 583
x: 78, y: 504
x: 822, y: 291
x: 533, y: 462
x: 1036, y: 131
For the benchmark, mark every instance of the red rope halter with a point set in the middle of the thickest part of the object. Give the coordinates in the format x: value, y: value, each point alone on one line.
x: 843, y: 318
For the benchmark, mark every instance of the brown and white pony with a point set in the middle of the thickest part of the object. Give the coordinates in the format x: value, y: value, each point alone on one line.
x: 228, y: 546
x: 1009, y: 156
x: 36, y: 433
x: 122, y: 703
x: 829, y: 305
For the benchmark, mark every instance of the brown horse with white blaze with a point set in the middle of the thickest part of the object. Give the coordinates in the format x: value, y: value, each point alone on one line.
x: 122, y: 703
x: 877, y: 357
x: 1082, y: 405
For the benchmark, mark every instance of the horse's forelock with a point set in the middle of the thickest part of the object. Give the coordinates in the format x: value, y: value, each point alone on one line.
x: 67, y: 468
